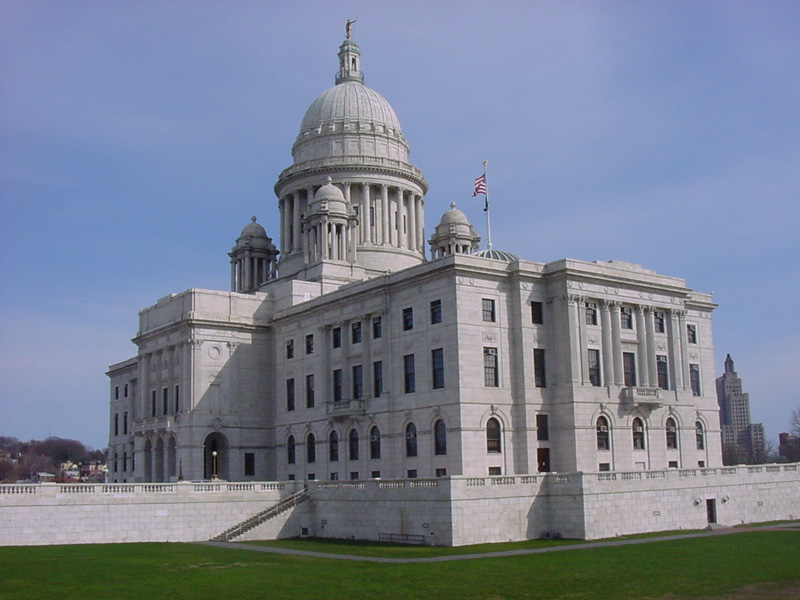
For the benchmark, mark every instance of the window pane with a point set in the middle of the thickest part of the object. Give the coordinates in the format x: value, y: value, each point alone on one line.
x: 411, y: 440
x: 410, y: 378
x: 539, y: 368
x: 493, y: 436
x: 439, y: 438
x: 436, y: 312
x: 537, y: 314
x: 490, y: 376
x: 437, y: 361
x: 488, y: 310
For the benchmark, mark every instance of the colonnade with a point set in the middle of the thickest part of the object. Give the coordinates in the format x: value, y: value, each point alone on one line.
x: 672, y: 342
x: 388, y: 215
x: 249, y: 271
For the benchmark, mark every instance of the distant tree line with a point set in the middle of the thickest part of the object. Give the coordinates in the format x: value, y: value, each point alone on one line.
x: 19, y: 460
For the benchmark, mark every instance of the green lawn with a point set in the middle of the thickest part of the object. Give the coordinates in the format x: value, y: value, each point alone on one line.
x: 703, y: 567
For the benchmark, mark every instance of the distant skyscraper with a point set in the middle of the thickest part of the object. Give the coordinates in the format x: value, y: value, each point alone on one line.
x: 742, y: 441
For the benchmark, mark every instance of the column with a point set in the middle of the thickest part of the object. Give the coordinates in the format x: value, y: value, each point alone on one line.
x: 402, y: 219
x: 574, y: 338
x: 233, y: 275
x: 608, y: 352
x: 616, y: 343
x: 412, y: 221
x: 641, y: 349
x: 651, y: 346
x: 674, y: 350
x: 248, y: 273
x: 284, y: 228
x: 385, y: 216
x: 366, y: 222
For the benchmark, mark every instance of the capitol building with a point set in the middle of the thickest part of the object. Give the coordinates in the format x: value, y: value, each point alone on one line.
x: 362, y: 353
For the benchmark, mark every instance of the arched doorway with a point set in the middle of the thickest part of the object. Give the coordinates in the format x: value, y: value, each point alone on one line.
x: 159, y: 462
x: 171, y: 462
x: 148, y: 461
x: 215, y: 457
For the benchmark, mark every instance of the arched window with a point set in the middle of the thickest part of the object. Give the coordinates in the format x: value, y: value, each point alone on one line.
x: 672, y: 434
x: 439, y: 438
x: 638, y: 434
x: 603, y: 438
x: 700, y: 435
x: 311, y: 448
x: 333, y: 446
x: 353, y: 444
x: 493, y: 443
x: 375, y: 442
x: 411, y: 440
x: 290, y: 450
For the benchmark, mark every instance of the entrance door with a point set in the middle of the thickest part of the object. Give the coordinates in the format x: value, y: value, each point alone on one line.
x: 711, y: 510
x: 543, y: 458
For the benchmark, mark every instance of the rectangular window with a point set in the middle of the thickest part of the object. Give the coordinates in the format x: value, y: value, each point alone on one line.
x: 594, y: 368
x: 673, y: 464
x: 337, y: 337
x: 441, y: 472
x: 116, y: 424
x: 408, y: 370
x: 377, y: 328
x: 602, y: 467
x: 165, y: 400
x: 542, y: 428
x: 355, y: 332
x: 177, y: 398
x: 626, y: 317
x: 358, y: 382
x: 116, y: 392
x: 488, y: 310
x: 310, y: 391
x: 412, y: 474
x: 437, y: 363
x: 334, y: 477
x: 539, y: 378
x: 694, y: 379
x: 153, y: 404
x: 660, y: 322
x: 337, y: 385
x: 490, y: 375
x: 377, y: 378
x: 125, y: 423
x: 691, y: 334
x: 289, y: 349
x: 629, y: 368
x: 408, y: 319
x: 537, y: 313
x: 375, y: 474
x: 591, y: 313
x: 126, y: 390
x: 290, y: 394
x: 354, y: 475
x: 436, y: 312
x: 495, y: 471
x: 310, y: 343
x: 663, y: 373
x: 249, y: 464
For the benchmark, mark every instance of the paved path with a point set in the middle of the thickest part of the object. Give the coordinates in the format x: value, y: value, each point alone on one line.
x: 521, y: 551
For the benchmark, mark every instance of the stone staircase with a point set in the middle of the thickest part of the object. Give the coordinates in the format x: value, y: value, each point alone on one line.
x: 264, y: 515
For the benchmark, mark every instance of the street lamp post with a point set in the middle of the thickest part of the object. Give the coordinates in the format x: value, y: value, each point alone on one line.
x: 214, y: 465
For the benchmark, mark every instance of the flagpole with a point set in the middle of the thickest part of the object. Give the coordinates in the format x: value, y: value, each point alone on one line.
x: 486, y: 206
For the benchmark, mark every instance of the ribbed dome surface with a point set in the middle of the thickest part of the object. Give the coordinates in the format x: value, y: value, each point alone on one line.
x: 497, y: 255
x: 351, y: 101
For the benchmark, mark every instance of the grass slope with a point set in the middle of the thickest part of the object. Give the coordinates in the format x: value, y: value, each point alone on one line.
x: 693, y: 568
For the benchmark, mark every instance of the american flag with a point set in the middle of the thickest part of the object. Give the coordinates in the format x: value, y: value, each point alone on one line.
x: 480, y: 185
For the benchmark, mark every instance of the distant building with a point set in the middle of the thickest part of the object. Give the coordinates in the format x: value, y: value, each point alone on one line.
x: 789, y: 447
x: 742, y: 441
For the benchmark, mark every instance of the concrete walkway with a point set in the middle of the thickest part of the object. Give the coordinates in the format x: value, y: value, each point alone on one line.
x: 521, y: 551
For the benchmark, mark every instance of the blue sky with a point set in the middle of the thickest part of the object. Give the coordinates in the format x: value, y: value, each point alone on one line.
x: 137, y: 139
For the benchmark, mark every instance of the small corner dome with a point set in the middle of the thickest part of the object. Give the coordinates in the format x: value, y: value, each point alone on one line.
x: 454, y: 216
x: 253, y: 235
x: 329, y: 198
